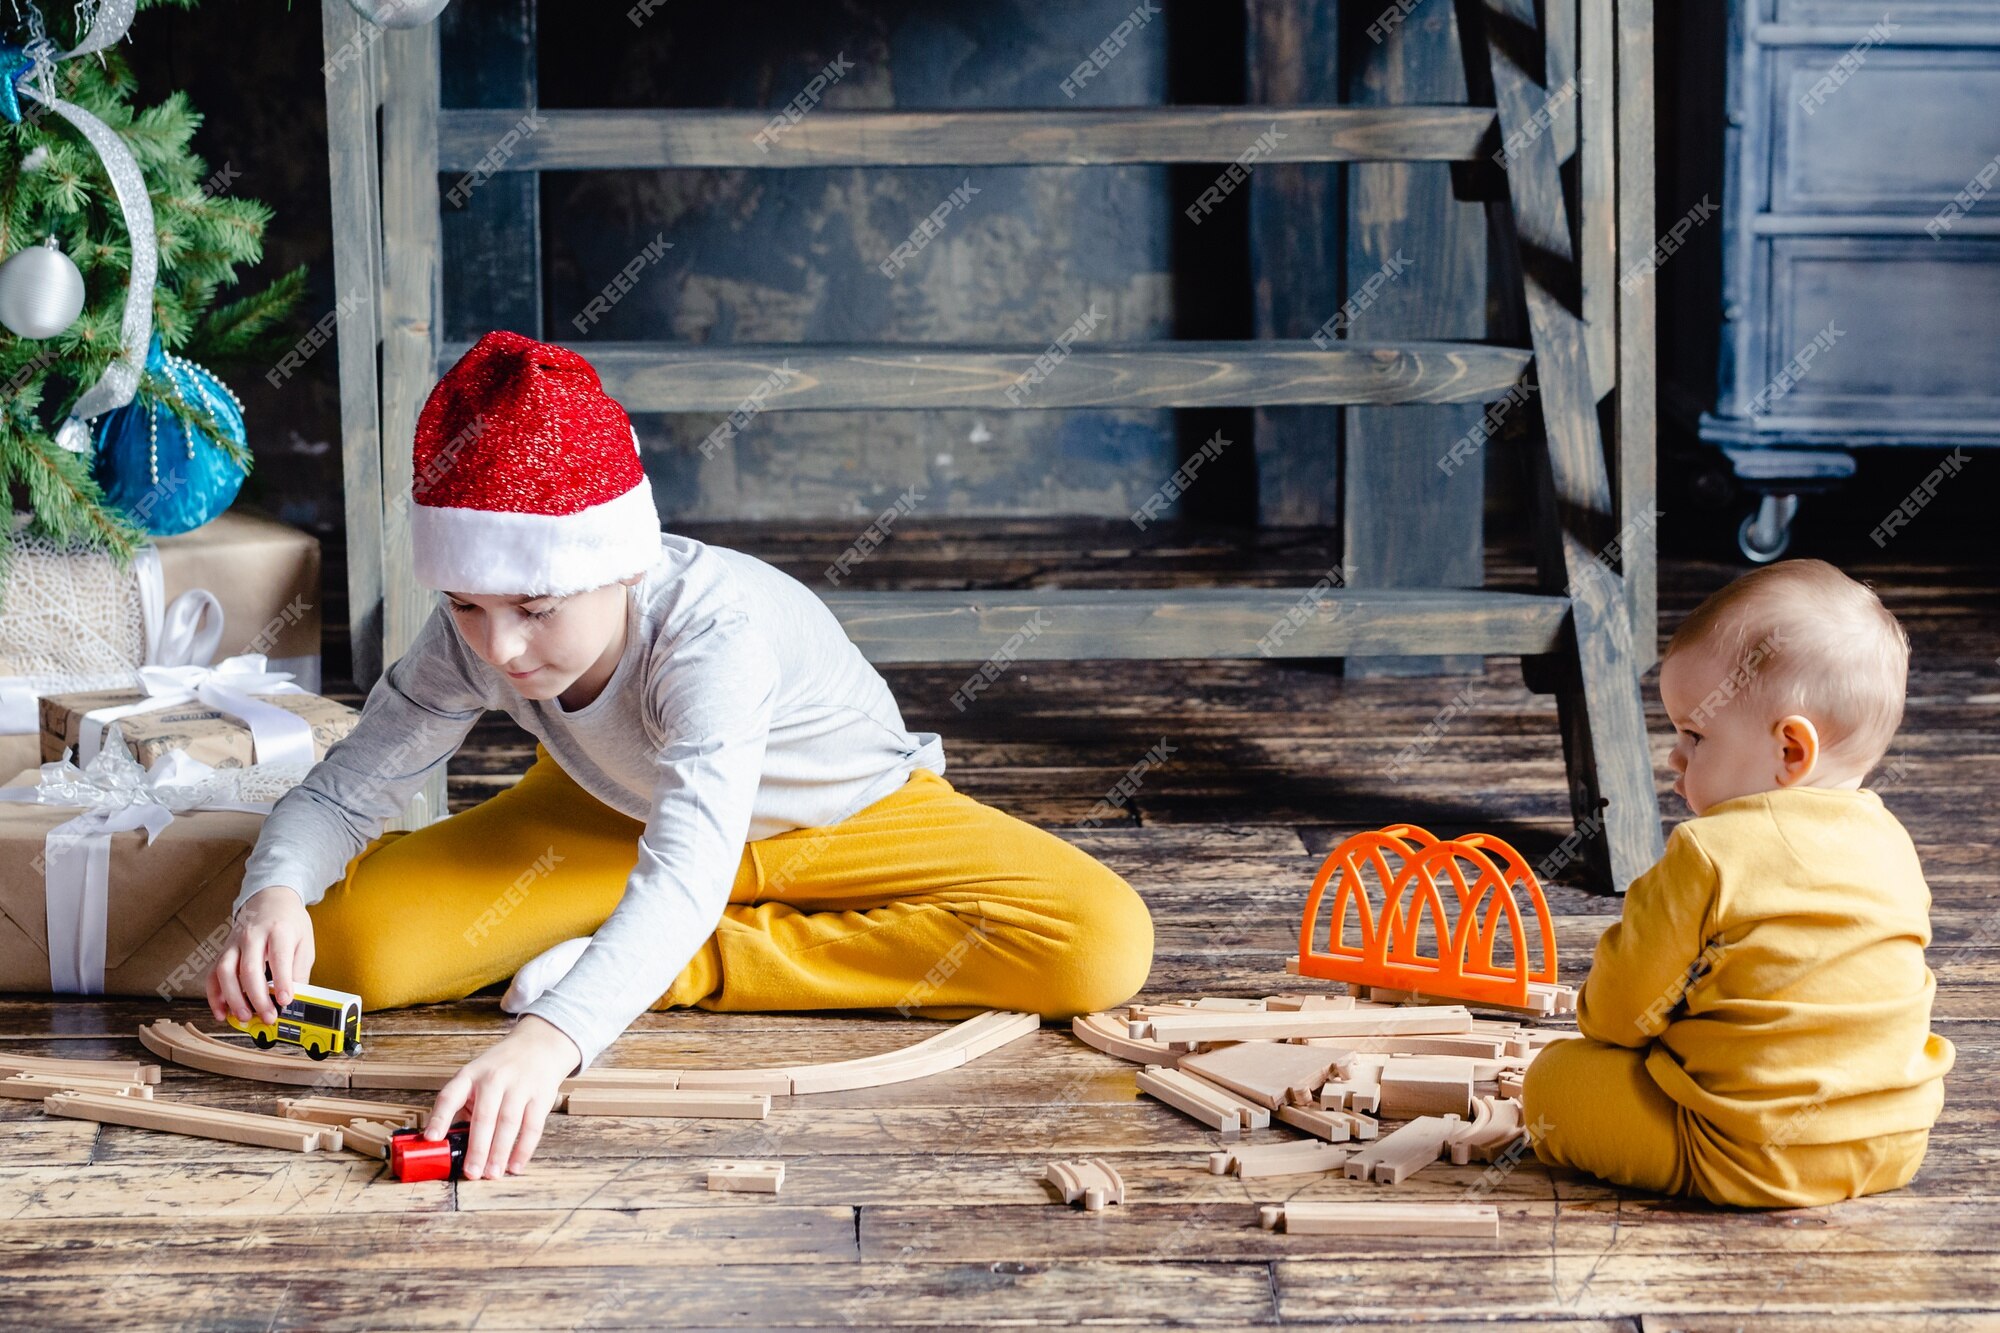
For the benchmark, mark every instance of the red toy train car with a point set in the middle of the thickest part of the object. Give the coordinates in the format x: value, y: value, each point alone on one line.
x: 414, y: 1157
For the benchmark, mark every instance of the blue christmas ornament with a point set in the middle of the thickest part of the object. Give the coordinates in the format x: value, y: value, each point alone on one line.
x: 168, y: 478
x: 15, y: 64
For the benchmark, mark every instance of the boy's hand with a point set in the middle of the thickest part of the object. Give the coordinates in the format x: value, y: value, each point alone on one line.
x: 510, y: 1090
x: 275, y: 928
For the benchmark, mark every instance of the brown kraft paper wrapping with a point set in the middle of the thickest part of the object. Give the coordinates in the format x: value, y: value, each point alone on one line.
x: 205, y: 734
x: 170, y: 902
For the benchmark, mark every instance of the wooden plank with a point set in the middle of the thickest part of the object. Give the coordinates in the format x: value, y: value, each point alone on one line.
x: 639, y: 1295
x: 569, y: 140
x: 724, y: 1234
x: 1412, y: 511
x: 1499, y: 1284
x: 1637, y: 299
x: 1063, y: 624
x: 1595, y: 110
x: 1564, y: 1236
x: 491, y: 241
x: 1597, y: 688
x: 354, y: 178
x: 672, y: 377
x: 410, y: 334
x: 1297, y: 227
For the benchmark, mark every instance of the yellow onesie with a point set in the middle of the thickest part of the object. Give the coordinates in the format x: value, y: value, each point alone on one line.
x: 1756, y: 1029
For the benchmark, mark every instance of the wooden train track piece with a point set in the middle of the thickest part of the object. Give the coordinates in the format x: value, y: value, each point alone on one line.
x: 1473, y: 1045
x: 34, y: 1087
x: 1298, y: 1158
x: 747, y: 1177
x: 209, y: 1122
x: 1358, y: 1087
x: 1426, y: 1085
x: 1443, y: 1221
x: 1541, y: 999
x: 1396, y: 1156
x: 1195, y: 1027
x: 1294, y: 1003
x: 369, y: 1137
x: 345, y: 1111
x: 1272, y: 1073
x: 1089, y: 1183
x: 977, y: 1036
x: 1191, y: 1097
x: 55, y: 1066
x: 1333, y: 1126
x: 1111, y: 1034
x: 1255, y: 1115
x: 769, y: 1083
x: 1494, y: 1130
x: 699, y: 1104
x: 184, y: 1044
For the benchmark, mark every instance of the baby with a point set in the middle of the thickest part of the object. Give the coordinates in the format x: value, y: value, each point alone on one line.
x: 1756, y: 1029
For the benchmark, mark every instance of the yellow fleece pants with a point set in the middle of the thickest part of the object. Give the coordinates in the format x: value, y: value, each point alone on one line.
x: 1592, y: 1106
x: 927, y: 901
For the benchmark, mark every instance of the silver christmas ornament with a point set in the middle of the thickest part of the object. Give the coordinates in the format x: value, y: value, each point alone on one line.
x: 41, y: 293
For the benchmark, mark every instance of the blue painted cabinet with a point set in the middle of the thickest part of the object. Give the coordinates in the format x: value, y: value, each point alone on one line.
x: 1841, y: 272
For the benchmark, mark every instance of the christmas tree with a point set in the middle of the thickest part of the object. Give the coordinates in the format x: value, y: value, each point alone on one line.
x: 52, y: 183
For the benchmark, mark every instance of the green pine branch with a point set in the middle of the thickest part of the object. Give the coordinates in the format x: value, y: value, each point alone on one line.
x: 205, y: 242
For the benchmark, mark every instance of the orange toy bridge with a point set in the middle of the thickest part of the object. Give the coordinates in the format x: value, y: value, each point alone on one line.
x: 1409, y: 865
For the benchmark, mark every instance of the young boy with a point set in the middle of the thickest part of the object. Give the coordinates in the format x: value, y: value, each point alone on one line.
x: 725, y: 809
x: 1756, y: 1029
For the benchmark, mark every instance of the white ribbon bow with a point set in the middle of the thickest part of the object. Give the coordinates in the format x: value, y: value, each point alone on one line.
x: 277, y: 738
x: 117, y: 796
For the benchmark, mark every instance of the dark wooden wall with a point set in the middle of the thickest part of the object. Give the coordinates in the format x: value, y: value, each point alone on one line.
x: 795, y: 255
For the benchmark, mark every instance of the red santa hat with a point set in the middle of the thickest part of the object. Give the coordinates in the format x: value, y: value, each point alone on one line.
x: 527, y: 479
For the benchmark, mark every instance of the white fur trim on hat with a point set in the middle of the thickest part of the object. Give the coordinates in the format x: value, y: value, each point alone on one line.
x: 499, y: 551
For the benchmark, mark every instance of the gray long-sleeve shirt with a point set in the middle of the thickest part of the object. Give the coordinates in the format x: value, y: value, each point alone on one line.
x: 739, y: 709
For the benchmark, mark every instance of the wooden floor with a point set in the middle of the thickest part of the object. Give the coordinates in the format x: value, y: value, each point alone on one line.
x: 920, y: 1204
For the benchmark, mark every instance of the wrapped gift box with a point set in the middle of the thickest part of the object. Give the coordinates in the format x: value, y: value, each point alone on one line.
x: 74, y: 620
x: 19, y: 752
x: 205, y: 733
x: 169, y: 903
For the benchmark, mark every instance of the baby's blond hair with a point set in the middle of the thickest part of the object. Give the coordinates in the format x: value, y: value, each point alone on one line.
x: 1805, y: 638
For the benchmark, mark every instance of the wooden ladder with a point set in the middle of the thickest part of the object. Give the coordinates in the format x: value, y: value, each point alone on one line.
x: 1575, y: 634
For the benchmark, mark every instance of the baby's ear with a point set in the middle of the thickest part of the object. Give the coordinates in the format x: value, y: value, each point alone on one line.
x: 1798, y: 748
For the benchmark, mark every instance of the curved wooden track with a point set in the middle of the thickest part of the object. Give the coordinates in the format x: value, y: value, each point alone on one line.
x: 185, y: 1044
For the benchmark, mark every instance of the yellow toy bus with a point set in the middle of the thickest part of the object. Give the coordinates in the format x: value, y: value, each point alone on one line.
x: 320, y: 1020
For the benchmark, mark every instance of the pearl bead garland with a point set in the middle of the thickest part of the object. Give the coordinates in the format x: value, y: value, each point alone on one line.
x: 179, y: 370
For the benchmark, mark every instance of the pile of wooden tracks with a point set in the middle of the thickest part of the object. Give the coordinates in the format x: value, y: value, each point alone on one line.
x: 1335, y: 1068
